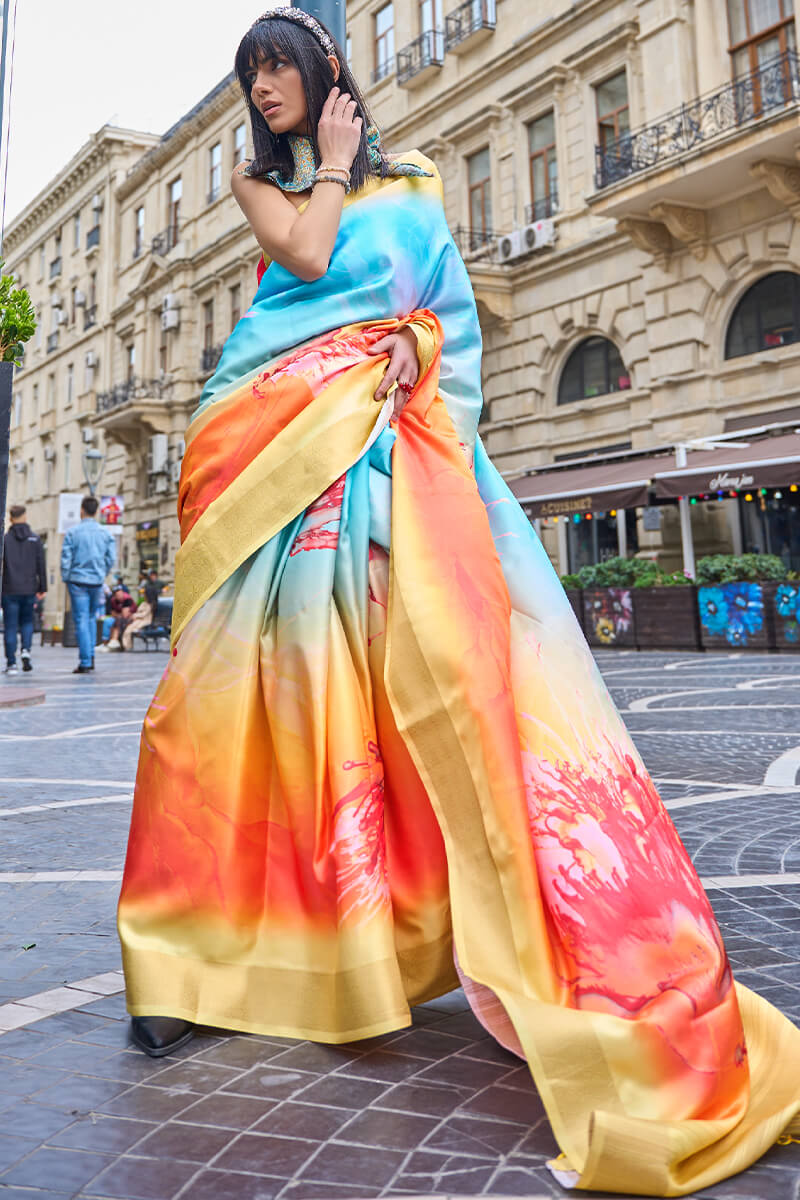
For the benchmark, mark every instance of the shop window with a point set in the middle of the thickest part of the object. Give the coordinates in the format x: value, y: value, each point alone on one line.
x: 767, y: 316
x: 594, y: 368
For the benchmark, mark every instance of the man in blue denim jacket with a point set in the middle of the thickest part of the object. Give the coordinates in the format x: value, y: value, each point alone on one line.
x: 87, y: 556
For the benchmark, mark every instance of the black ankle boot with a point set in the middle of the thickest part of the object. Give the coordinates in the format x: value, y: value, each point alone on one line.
x: 158, y: 1036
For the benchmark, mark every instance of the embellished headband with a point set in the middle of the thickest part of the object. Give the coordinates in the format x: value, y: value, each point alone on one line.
x: 301, y: 18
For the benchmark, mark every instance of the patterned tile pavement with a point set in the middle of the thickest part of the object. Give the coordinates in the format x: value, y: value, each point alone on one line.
x: 438, y: 1109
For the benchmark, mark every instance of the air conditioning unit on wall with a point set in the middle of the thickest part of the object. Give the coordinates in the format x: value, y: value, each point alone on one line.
x: 539, y: 234
x: 91, y: 358
x: 157, y: 454
x: 169, y: 301
x: 509, y: 246
x: 170, y: 318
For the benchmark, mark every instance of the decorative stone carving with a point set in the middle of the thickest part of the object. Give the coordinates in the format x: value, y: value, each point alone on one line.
x: 687, y: 225
x: 782, y: 181
x: 651, y: 236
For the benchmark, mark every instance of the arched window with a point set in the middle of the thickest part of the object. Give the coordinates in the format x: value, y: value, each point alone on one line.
x: 594, y: 368
x: 767, y: 316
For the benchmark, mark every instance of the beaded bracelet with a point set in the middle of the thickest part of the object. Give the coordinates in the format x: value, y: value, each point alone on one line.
x: 332, y: 177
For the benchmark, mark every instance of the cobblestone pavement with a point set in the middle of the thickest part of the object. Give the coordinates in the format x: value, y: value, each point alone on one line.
x: 438, y: 1109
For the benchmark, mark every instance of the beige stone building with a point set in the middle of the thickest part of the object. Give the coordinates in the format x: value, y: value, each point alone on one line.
x: 621, y: 177
x: 63, y: 249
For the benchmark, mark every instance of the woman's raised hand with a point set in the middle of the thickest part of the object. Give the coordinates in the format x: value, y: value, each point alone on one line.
x: 339, y: 130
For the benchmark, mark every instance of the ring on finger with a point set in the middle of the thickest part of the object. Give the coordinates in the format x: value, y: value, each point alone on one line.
x: 405, y: 387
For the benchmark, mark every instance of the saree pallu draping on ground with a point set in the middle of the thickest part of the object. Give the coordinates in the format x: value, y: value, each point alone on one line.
x: 381, y: 739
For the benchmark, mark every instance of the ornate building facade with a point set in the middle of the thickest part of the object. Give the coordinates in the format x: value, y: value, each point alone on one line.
x: 621, y: 177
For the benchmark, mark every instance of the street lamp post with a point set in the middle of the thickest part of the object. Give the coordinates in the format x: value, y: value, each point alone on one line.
x: 93, y: 463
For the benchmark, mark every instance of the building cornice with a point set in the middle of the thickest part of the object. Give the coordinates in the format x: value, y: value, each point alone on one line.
x: 93, y: 155
x: 204, y: 113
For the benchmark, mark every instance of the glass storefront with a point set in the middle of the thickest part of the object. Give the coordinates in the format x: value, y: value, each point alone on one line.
x: 594, y: 540
x: 771, y: 524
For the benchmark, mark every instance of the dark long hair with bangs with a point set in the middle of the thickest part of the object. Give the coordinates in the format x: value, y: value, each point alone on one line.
x: 277, y: 36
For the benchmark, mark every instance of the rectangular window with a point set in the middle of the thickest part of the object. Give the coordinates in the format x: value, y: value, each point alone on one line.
x: 430, y: 16
x: 613, y: 116
x: 214, y: 172
x: 76, y: 231
x: 42, y: 258
x: 760, y: 31
x: 543, y: 166
x: 39, y: 334
x: 384, y: 41
x: 174, y: 213
x: 34, y: 415
x: 17, y: 410
x: 67, y: 466
x: 93, y: 289
x: 130, y: 361
x: 70, y: 384
x: 163, y: 353
x: 208, y: 324
x: 72, y: 305
x: 239, y: 143
x: 480, y: 194
x: 51, y: 393
x: 31, y: 478
x: 138, y: 231
x: 236, y: 304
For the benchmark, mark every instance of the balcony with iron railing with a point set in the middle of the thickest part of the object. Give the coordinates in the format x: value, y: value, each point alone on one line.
x: 706, y: 146
x: 134, y: 401
x: 476, y: 243
x: 210, y: 357
x: 469, y: 24
x: 542, y: 208
x: 420, y: 59
x: 89, y: 316
x: 385, y: 67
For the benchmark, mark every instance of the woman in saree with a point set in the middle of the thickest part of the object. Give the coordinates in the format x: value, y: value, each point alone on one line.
x: 381, y: 760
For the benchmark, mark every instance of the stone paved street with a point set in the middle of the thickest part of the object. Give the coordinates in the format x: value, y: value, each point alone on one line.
x: 435, y: 1110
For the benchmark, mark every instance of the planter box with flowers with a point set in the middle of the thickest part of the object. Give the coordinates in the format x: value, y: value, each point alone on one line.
x: 633, y: 602
x: 737, y: 597
x: 783, y: 599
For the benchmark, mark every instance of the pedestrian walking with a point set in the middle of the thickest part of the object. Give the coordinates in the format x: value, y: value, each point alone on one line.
x: 87, y: 556
x: 24, y: 583
x: 381, y: 759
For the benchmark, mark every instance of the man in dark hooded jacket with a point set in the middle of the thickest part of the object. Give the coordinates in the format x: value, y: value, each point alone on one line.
x: 24, y: 580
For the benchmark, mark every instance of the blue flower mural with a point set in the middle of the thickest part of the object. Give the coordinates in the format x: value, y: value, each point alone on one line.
x: 713, y: 609
x: 746, y: 606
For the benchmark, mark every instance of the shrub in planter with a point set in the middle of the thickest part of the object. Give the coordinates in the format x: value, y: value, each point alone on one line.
x: 572, y: 586
x: 733, y: 600
x: 665, y: 608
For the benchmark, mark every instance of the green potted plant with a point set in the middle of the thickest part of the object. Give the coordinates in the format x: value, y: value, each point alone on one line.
x: 17, y: 325
x: 665, y: 610
x: 737, y: 596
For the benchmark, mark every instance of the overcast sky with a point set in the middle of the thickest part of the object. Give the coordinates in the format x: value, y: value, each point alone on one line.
x: 81, y: 63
